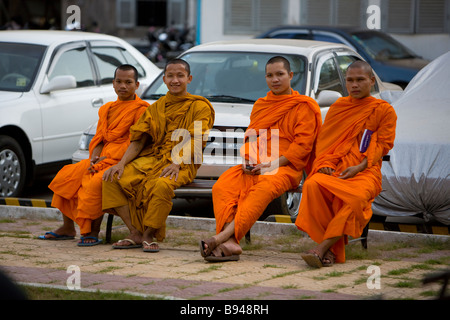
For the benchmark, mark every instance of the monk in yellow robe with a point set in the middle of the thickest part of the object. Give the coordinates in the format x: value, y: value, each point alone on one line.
x: 78, y: 187
x: 165, y: 153
x: 278, y: 145
x: 346, y: 176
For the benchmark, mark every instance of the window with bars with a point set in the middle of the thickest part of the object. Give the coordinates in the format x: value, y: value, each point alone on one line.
x: 250, y: 16
x: 397, y: 16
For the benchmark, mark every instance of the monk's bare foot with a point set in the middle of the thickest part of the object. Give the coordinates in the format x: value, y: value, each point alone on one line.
x: 89, y: 238
x: 132, y: 241
x: 232, y: 248
x: 62, y: 231
x: 150, y: 246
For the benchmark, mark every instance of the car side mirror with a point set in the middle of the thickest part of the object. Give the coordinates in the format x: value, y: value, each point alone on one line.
x: 59, y: 83
x: 327, y: 98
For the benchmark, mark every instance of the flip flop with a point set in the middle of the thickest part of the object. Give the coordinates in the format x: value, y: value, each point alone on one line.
x: 133, y: 244
x: 313, y: 259
x: 89, y: 244
x: 226, y: 255
x: 150, y: 244
x: 211, y: 242
x: 56, y: 236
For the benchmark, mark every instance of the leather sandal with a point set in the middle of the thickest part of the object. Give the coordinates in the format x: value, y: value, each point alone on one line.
x: 211, y: 243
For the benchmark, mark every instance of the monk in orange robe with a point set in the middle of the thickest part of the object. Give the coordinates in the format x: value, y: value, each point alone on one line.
x: 346, y: 176
x: 78, y: 187
x: 278, y: 145
x: 140, y: 187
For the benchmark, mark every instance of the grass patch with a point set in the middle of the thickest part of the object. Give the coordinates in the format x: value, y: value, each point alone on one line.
x: 43, y: 293
x: 406, y: 284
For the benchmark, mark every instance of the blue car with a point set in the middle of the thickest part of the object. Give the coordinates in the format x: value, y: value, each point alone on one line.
x: 391, y: 60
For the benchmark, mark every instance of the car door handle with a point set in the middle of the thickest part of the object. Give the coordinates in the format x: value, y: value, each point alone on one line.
x: 97, y: 103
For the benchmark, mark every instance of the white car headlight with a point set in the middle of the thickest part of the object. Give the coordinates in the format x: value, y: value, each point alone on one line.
x: 84, y: 142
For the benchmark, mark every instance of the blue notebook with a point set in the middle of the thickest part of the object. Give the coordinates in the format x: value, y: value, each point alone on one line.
x: 365, y: 140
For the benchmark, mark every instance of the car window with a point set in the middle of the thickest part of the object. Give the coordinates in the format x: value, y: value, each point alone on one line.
x: 344, y: 62
x: 109, y: 58
x: 329, y: 78
x: 74, y: 62
x: 290, y: 35
x: 231, y: 76
x: 19, y: 64
x: 327, y: 38
x: 382, y: 47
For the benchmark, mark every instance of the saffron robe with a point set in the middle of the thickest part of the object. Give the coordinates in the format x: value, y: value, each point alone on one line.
x: 167, y: 121
x: 77, y: 192
x: 283, y: 125
x: 333, y: 207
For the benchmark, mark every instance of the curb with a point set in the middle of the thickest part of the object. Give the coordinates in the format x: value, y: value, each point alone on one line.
x: 208, y: 224
x: 383, y: 226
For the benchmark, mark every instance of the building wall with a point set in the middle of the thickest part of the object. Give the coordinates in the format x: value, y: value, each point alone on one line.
x: 429, y: 46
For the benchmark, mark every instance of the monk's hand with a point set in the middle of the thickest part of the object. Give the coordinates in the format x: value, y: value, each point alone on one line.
x: 109, y: 174
x: 350, y: 172
x: 94, y: 161
x: 261, y: 168
x: 171, y: 170
x: 247, y: 167
x: 326, y: 170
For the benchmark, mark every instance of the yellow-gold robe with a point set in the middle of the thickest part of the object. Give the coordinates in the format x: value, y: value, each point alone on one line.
x: 148, y: 195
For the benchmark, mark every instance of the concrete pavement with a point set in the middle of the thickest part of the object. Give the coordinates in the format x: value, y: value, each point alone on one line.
x: 270, y: 268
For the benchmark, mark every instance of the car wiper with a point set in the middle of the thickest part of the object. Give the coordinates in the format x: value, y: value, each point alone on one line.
x: 228, y: 98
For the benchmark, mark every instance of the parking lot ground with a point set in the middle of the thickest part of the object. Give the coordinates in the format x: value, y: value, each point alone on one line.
x: 270, y: 268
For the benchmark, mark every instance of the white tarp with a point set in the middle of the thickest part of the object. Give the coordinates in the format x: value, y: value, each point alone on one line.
x: 416, y: 180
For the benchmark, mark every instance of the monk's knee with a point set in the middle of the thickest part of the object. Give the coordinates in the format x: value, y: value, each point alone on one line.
x: 163, y: 187
x: 310, y: 183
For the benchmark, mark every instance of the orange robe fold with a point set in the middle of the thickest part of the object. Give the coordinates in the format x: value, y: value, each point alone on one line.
x: 285, y: 125
x: 177, y: 129
x: 333, y: 207
x: 77, y: 192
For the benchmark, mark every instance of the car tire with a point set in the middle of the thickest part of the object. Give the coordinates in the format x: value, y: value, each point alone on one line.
x: 12, y: 167
x: 287, y: 204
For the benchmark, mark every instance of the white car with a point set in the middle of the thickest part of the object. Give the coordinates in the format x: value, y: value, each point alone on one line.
x: 52, y: 84
x: 231, y: 75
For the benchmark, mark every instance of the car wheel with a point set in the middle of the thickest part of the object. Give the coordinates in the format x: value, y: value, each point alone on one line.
x: 287, y: 204
x: 12, y: 167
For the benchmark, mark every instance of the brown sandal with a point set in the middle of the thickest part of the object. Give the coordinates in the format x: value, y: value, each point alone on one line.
x: 330, y: 257
x: 225, y: 255
x: 211, y: 243
x: 313, y: 259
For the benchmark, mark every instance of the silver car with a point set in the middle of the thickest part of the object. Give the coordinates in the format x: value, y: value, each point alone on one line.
x: 231, y: 75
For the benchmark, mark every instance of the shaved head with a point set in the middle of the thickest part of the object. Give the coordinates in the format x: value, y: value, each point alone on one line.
x: 362, y: 65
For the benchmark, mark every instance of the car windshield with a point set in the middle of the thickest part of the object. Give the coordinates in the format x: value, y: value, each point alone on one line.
x: 19, y: 64
x: 231, y: 76
x: 382, y: 47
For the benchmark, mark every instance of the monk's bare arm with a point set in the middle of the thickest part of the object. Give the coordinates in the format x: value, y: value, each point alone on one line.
x: 95, y: 156
x: 132, y: 152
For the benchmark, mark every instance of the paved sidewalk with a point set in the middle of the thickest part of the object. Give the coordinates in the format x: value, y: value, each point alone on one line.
x: 270, y: 267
